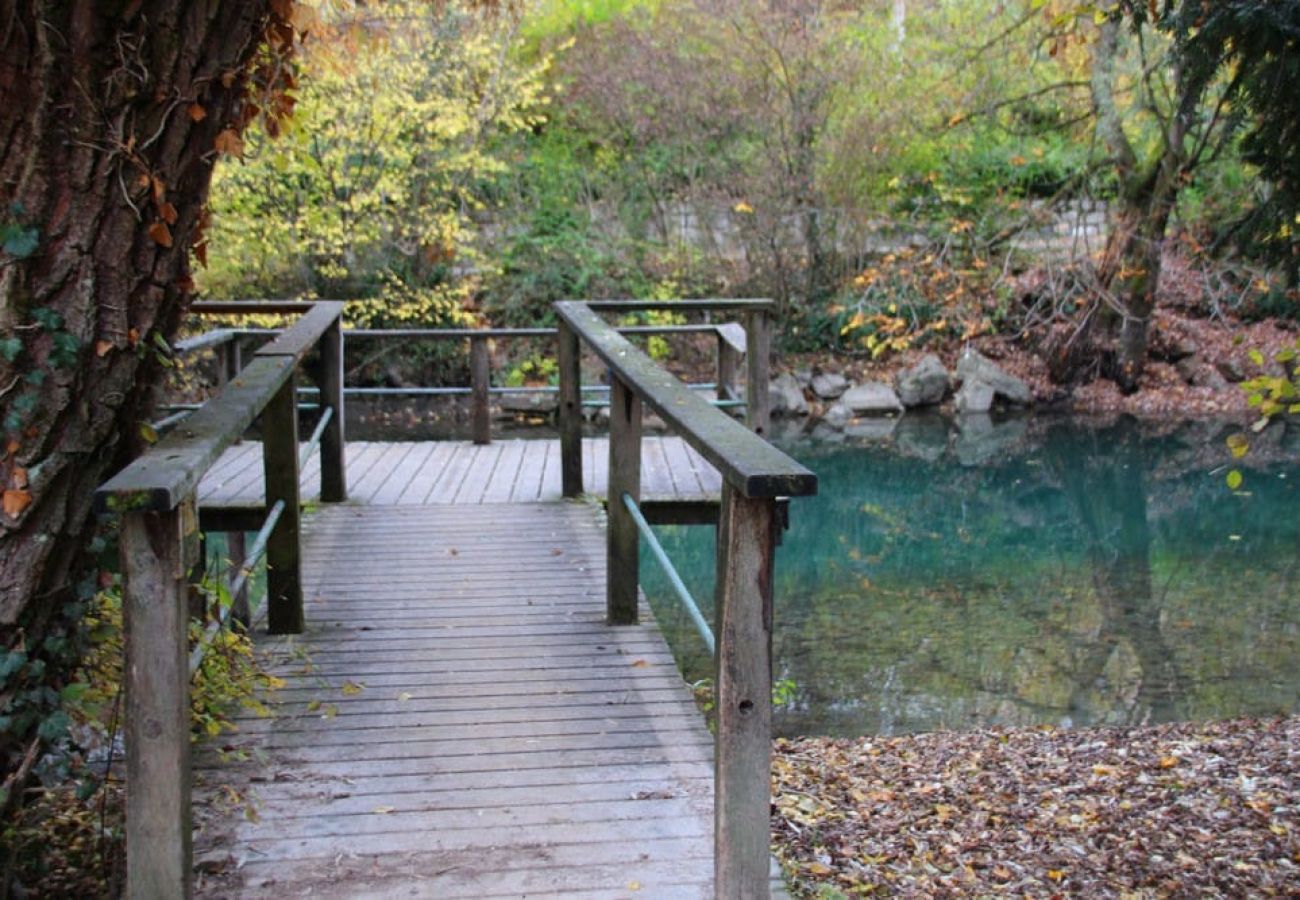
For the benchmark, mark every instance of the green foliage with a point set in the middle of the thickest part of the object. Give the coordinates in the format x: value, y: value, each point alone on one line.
x: 16, y: 239
x: 375, y: 188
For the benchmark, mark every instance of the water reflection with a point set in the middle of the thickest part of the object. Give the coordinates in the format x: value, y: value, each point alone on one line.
x: 1028, y: 572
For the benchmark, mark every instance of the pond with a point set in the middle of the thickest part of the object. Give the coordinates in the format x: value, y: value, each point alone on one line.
x: 1025, y: 572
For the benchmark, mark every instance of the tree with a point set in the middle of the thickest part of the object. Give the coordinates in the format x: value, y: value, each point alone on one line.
x: 111, y: 117
x: 1199, y: 76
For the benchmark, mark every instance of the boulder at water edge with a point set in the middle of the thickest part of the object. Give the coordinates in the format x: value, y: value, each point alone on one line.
x: 871, y: 399
x: 925, y: 384
x: 785, y: 396
x: 829, y: 385
x: 982, y: 381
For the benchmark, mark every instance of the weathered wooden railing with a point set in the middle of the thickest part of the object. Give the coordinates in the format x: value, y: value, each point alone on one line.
x: 755, y: 474
x: 750, y: 342
x: 158, y: 536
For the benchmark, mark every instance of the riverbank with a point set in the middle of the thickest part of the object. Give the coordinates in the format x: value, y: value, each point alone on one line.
x: 1195, y: 368
x: 1182, y: 810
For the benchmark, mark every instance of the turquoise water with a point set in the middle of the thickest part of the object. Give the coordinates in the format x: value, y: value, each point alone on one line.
x: 1025, y: 572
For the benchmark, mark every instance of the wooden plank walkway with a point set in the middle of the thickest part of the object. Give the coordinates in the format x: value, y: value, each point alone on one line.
x: 461, y: 473
x: 458, y: 721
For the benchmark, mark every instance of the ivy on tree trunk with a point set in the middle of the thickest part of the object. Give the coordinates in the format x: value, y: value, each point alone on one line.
x: 111, y: 116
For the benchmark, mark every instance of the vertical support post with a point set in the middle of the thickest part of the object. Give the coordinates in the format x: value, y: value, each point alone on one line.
x: 743, y: 754
x: 570, y: 412
x: 333, y: 463
x: 622, y: 561
x: 237, y: 548
x: 758, y: 336
x: 480, y: 375
x: 280, y: 464
x: 232, y: 359
x: 728, y: 364
x: 155, y: 619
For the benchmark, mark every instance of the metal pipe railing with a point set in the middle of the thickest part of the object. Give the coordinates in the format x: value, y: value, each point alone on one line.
x: 682, y: 592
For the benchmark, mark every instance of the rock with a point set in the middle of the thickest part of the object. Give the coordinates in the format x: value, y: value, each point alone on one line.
x: 837, y: 416
x: 981, y: 377
x: 803, y: 377
x: 871, y: 399
x: 538, y: 404
x: 1198, y: 373
x: 1182, y: 347
x: 829, y: 385
x: 974, y: 398
x: 924, y: 436
x: 1231, y: 370
x: 785, y: 396
x: 925, y: 384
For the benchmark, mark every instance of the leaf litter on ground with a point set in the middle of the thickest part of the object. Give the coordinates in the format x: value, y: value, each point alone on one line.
x: 1181, y: 810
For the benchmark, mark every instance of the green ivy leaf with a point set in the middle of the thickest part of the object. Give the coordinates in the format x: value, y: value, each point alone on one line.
x: 18, y: 241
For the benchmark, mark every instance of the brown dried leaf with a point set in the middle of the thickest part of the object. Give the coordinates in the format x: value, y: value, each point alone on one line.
x: 102, y: 347
x: 15, y: 502
x: 230, y: 143
x: 160, y: 234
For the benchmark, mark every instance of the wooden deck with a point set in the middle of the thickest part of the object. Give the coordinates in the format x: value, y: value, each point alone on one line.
x: 458, y: 721
x: 461, y: 473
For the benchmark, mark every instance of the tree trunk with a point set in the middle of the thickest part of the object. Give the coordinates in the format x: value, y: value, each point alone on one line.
x: 109, y: 116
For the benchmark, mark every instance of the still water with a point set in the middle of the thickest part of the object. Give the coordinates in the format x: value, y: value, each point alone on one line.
x: 1025, y: 572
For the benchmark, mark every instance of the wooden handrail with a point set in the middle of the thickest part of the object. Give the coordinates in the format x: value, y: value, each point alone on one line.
x: 755, y: 474
x: 747, y: 462
x: 158, y: 541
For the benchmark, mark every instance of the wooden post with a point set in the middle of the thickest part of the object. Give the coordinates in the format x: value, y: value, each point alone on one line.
x: 155, y: 624
x: 333, y: 465
x: 232, y: 359
x: 743, y: 754
x: 570, y: 412
x: 728, y: 367
x: 280, y: 464
x: 237, y: 550
x: 759, y: 340
x: 623, y: 555
x: 480, y: 375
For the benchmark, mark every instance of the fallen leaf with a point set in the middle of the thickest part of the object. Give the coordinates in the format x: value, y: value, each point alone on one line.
x: 383, y: 810
x: 1168, y: 762
x: 19, y: 477
x: 404, y: 696
x: 168, y: 213
x: 640, y: 664
x: 352, y: 688
x: 102, y: 348
x: 197, y: 112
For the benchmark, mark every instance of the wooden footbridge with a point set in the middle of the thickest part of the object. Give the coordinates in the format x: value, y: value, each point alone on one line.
x: 475, y: 700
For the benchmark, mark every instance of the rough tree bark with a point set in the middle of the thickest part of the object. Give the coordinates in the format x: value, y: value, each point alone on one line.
x: 110, y: 115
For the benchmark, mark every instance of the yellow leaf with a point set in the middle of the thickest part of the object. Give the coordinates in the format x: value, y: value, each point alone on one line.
x: 383, y: 810
x: 1234, y: 480
x: 1055, y: 874
x: 351, y: 688
x: 634, y: 885
x: 404, y: 696
x: 148, y: 434
x: 1168, y: 762
x: 743, y: 208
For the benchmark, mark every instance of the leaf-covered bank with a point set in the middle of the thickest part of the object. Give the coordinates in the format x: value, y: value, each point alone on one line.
x: 1187, y: 810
